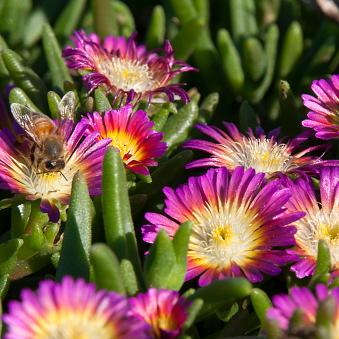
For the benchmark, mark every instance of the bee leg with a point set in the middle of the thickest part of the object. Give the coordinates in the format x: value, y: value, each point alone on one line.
x: 63, y: 175
x: 32, y: 155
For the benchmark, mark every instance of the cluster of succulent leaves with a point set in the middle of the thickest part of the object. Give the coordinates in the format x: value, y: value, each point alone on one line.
x: 250, y: 54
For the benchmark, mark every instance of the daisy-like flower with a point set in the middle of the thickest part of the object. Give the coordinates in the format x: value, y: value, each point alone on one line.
x: 303, y: 299
x: 125, y: 68
x: 165, y: 311
x: 320, y: 222
x: 81, y: 153
x: 238, y: 220
x: 71, y: 309
x: 264, y: 153
x: 323, y: 116
x: 131, y: 134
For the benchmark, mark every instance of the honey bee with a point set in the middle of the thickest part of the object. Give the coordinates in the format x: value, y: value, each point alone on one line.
x: 48, y: 147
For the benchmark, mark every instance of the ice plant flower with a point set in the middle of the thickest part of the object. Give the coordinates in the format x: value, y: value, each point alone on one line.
x: 131, y: 134
x: 321, y: 220
x: 81, y: 153
x: 306, y: 301
x: 125, y: 68
x: 323, y: 116
x: 238, y: 220
x: 71, y: 309
x: 264, y: 153
x: 165, y: 311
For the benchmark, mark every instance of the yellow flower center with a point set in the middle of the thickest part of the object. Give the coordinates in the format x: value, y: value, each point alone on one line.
x: 128, y: 147
x: 222, y: 235
x: 73, y: 324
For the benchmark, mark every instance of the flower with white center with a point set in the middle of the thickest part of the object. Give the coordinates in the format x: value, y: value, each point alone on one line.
x: 321, y: 220
x: 238, y: 220
x: 126, y: 69
x: 264, y: 153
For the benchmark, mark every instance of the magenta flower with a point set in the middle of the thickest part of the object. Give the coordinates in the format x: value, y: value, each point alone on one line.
x: 131, y: 134
x: 238, y: 220
x: 81, y: 153
x: 71, y: 309
x: 302, y: 298
x: 323, y: 116
x: 264, y: 153
x: 165, y: 311
x: 321, y: 220
x: 125, y: 68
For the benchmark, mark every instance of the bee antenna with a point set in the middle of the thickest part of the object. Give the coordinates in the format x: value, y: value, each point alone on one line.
x: 63, y: 175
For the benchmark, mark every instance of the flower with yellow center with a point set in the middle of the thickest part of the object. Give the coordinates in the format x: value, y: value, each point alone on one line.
x: 308, y: 303
x: 238, y: 220
x: 321, y: 220
x: 82, y: 153
x: 72, y: 309
x: 165, y: 311
x: 264, y: 153
x: 126, y: 69
x: 131, y: 134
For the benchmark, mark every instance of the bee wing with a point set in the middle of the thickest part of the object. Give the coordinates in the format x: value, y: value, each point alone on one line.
x: 67, y: 106
x: 29, y: 120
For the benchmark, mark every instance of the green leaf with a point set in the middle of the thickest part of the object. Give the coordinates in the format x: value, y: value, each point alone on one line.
x: 231, y: 61
x: 53, y: 100
x: 159, y: 262
x: 105, y: 21
x: 8, y: 255
x: 19, y: 218
x: 178, y: 126
x: 243, y: 18
x: 118, y: 223
x: 288, y: 109
x: 106, y: 269
x: 156, y: 29
x: 74, y: 257
x: 161, y: 116
x: 221, y: 292
x: 69, y: 18
x: 25, y: 78
x: 203, y: 9
x: 247, y: 117
x: 184, y: 10
x: 101, y: 102
x: 261, y: 303
x: 17, y: 95
x: 208, y: 107
x: 292, y: 48
x: 180, y: 245
x: 321, y: 274
x: 4, y: 285
x: 124, y: 18
x: 185, y: 42
x: 34, y: 26
x: 256, y: 93
x: 12, y: 18
x: 193, y: 311
x: 56, y: 64
x: 129, y: 277
x: 254, y: 58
